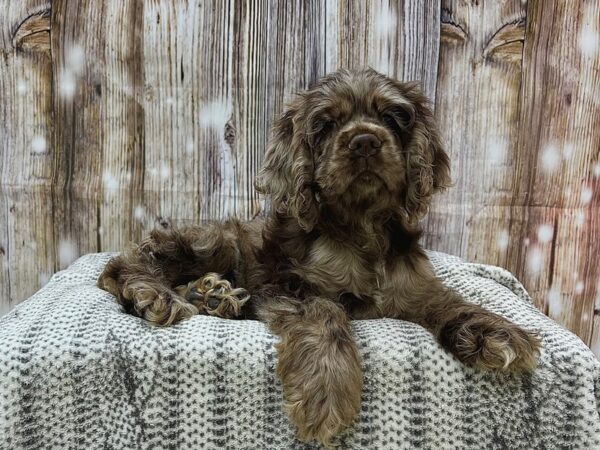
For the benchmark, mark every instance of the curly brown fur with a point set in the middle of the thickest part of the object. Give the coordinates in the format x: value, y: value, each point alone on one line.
x: 350, y: 170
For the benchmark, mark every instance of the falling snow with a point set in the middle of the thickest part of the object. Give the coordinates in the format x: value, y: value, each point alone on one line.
x: 75, y: 59
x: 526, y: 242
x: 496, y: 151
x: 568, y: 151
x: 384, y: 22
x: 165, y: 171
x: 190, y: 147
x: 139, y: 212
x: 534, y: 260
x: 67, y: 84
x: 579, y: 287
x: 502, y: 239
x: 545, y: 233
x: 580, y: 218
x: 22, y: 87
x: 597, y: 169
x: 554, y: 301
x: 586, y: 195
x: 67, y: 252
x: 550, y: 158
x: 215, y: 114
x: 38, y: 144
x: 588, y: 41
x: 43, y: 278
x: 111, y: 184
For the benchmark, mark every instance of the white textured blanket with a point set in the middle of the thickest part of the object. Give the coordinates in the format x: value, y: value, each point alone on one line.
x: 76, y: 372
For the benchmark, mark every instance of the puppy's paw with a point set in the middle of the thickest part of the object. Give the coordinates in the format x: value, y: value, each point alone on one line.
x: 215, y: 296
x: 157, y: 304
x: 490, y: 342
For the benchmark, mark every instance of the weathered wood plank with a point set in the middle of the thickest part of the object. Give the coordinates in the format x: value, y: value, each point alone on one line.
x: 26, y: 152
x: 479, y: 124
x: 557, y: 149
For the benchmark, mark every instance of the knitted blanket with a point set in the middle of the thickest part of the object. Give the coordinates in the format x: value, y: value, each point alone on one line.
x: 76, y: 372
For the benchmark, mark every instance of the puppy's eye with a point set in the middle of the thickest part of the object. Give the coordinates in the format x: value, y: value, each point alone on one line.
x: 391, y: 122
x: 327, y: 126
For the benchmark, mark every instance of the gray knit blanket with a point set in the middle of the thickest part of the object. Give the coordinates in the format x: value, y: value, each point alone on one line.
x: 76, y: 372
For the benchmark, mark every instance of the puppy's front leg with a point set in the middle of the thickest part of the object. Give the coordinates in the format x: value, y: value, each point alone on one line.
x: 477, y: 337
x: 319, y: 365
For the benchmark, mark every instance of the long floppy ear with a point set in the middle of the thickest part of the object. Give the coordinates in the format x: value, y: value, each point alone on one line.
x: 287, y: 172
x: 428, y: 165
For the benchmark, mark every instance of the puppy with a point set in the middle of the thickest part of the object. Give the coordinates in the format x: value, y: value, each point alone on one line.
x: 351, y: 168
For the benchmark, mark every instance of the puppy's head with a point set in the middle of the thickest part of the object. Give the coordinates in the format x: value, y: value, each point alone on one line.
x: 356, y: 139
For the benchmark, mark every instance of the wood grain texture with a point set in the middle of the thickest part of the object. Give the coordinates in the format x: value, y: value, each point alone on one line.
x: 120, y: 115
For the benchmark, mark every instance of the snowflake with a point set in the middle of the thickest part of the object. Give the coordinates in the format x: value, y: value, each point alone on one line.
x: 580, y: 218
x: 568, y: 151
x: 579, y: 287
x: 75, y: 59
x: 588, y: 41
x: 43, y: 278
x: 67, y: 84
x: 502, y: 239
x: 139, y: 212
x: 526, y: 242
x: 496, y: 151
x: 545, y: 233
x: 190, y: 147
x: 67, y: 252
x: 38, y: 144
x: 597, y: 169
x: 384, y: 22
x: 22, y: 87
x: 165, y: 171
x: 535, y: 259
x: 555, y: 303
x: 215, y: 114
x: 111, y: 184
x: 153, y: 171
x: 550, y: 159
x: 586, y: 195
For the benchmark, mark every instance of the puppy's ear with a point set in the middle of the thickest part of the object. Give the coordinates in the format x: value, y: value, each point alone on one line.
x: 428, y: 165
x: 287, y: 172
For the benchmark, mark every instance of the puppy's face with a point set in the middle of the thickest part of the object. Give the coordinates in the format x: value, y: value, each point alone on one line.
x: 358, y: 140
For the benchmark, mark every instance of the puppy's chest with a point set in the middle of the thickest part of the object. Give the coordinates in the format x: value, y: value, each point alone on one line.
x: 336, y: 267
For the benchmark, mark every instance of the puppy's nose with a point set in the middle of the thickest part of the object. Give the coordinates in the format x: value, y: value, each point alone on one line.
x: 365, y: 144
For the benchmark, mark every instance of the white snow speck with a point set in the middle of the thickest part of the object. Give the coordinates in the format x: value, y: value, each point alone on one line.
x: 169, y: 100
x: 534, y: 260
x: 586, y: 195
x: 579, y: 287
x: 38, y: 144
x: 526, y: 242
x: 43, y: 278
x: 139, y: 212
x: 597, y: 170
x: 550, y: 159
x: 165, y: 171
x: 75, y: 59
x: 22, y: 87
x: 384, y: 22
x: 588, y: 41
x: 496, y: 150
x: 190, y: 147
x: 554, y: 300
x: 111, y: 184
x: 67, y: 84
x: 545, y: 233
x: 568, y: 151
x: 153, y: 171
x: 502, y: 239
x: 585, y: 317
x: 215, y: 114
x: 67, y: 252
x: 580, y: 218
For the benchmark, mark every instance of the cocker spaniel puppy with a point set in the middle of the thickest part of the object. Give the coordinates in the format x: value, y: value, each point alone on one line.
x: 351, y: 168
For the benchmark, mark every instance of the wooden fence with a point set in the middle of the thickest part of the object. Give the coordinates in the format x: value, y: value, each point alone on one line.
x: 116, y: 113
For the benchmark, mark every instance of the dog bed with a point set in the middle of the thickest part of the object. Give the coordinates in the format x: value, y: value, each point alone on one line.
x: 76, y: 372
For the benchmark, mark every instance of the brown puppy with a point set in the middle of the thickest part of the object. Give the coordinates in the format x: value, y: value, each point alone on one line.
x: 351, y: 169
